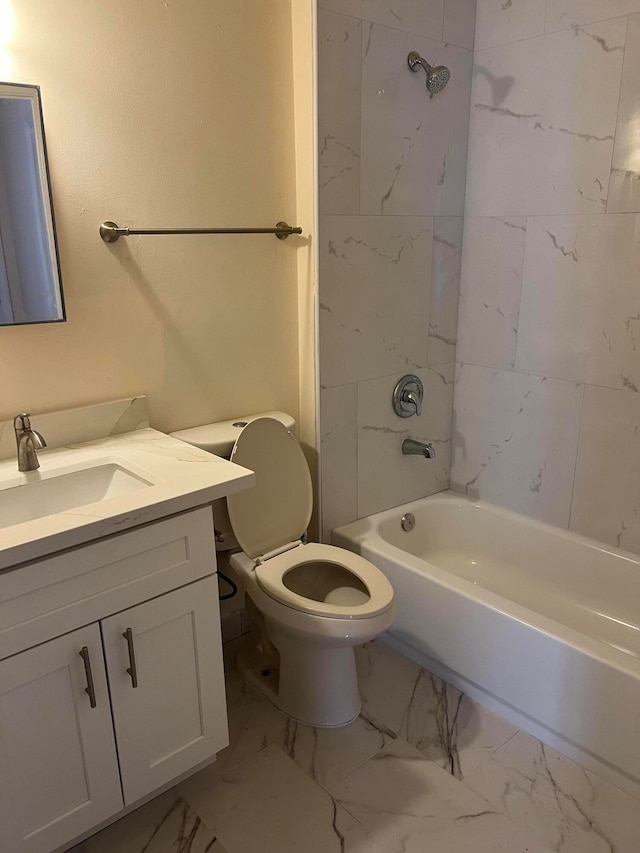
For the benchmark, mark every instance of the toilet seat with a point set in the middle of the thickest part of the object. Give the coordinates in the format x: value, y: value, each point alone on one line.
x: 271, y: 577
x: 270, y: 520
x: 277, y: 510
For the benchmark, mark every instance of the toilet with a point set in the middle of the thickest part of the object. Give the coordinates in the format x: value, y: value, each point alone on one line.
x: 312, y: 603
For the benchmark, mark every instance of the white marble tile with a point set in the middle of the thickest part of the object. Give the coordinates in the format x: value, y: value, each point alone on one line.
x: 326, y: 755
x: 423, y: 17
x: 549, y: 796
x: 490, y: 284
x: 404, y: 700
x: 412, y: 805
x: 515, y: 439
x: 474, y: 734
x: 164, y: 824
x: 580, y: 300
x: 339, y: 454
x: 339, y: 73
x: 414, y: 148
x: 624, y: 186
x: 269, y: 804
x: 502, y: 21
x: 460, y: 22
x: 445, y: 288
x: 562, y: 14
x: 537, y: 106
x: 374, y: 297
x: 606, y: 492
x: 386, y: 477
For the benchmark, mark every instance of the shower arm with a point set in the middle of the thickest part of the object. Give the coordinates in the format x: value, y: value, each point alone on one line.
x: 414, y: 59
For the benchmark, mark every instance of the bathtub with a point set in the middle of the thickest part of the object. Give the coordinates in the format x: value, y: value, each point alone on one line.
x: 540, y: 624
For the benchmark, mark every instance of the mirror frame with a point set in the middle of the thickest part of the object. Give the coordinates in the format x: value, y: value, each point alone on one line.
x: 31, y: 92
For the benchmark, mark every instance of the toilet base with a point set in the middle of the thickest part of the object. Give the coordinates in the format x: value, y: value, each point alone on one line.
x: 315, y: 686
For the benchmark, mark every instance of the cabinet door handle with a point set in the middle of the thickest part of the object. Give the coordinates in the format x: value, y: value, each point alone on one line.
x: 89, y: 689
x: 132, y: 670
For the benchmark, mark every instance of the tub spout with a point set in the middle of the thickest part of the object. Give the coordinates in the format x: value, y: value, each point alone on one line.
x: 410, y: 447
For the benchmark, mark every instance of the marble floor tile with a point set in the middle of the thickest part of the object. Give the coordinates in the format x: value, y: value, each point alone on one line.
x: 412, y: 805
x: 566, y: 806
x: 270, y: 804
x: 165, y: 825
x: 326, y: 755
x: 404, y: 700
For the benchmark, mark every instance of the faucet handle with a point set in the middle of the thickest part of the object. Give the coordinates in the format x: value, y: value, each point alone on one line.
x: 407, y: 396
x: 22, y: 421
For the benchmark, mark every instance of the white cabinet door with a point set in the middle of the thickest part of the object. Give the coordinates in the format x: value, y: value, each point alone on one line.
x: 57, y: 753
x: 175, y: 716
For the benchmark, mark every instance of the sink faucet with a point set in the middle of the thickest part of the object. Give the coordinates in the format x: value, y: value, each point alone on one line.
x: 28, y: 441
x: 410, y: 447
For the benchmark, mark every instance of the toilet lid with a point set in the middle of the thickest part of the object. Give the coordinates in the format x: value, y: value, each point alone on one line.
x: 277, y: 509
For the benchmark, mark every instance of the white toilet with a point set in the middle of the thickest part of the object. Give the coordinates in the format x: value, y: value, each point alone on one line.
x: 313, y: 603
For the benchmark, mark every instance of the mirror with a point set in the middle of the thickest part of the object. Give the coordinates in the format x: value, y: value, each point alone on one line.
x: 30, y: 281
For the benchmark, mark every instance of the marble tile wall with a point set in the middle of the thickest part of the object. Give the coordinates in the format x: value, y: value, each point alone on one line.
x: 392, y: 183
x: 547, y: 406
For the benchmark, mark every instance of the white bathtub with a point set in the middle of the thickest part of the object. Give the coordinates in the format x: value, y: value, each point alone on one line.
x: 541, y: 624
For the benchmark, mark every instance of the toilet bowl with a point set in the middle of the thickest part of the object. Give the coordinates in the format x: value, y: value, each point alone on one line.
x: 312, y: 603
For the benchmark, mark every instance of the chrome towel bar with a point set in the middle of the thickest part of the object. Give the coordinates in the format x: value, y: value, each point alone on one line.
x: 111, y: 233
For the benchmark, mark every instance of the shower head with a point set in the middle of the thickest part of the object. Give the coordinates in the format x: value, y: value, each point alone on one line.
x: 437, y: 76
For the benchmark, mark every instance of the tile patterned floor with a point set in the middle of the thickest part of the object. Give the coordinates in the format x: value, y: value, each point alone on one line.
x: 423, y: 770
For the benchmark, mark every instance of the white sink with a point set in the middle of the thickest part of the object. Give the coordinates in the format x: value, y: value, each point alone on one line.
x: 104, y: 486
x: 48, y: 493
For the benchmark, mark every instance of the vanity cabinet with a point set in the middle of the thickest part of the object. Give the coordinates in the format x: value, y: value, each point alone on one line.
x: 176, y: 716
x: 96, y: 720
x: 58, y: 756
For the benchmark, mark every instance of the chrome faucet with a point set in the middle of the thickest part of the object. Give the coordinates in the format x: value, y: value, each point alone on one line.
x: 28, y: 441
x: 414, y: 399
x: 407, y: 396
x: 410, y: 447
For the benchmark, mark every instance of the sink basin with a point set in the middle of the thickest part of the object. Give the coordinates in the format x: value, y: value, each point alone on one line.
x: 57, y: 491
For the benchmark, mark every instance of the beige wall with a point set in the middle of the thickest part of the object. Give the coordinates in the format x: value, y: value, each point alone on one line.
x: 163, y: 114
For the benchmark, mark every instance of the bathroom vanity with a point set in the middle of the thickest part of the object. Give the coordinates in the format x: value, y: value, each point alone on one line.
x: 111, y: 676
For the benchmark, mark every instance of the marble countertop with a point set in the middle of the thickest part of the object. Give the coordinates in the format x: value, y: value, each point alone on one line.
x: 180, y: 478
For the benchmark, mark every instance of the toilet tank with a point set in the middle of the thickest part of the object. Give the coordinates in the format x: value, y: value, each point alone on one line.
x: 219, y: 438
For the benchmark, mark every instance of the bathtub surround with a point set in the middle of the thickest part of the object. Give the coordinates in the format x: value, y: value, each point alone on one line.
x: 546, y: 414
x: 392, y: 180
x: 387, y: 783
